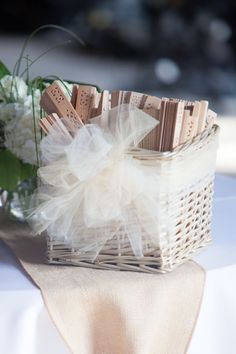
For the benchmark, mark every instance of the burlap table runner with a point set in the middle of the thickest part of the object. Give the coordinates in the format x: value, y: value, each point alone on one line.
x: 108, y: 312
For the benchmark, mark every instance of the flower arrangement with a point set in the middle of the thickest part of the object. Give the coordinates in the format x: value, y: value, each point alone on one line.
x: 20, y: 133
x: 19, y: 136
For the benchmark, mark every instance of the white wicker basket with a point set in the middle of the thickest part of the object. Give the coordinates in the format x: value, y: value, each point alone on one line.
x: 187, y: 231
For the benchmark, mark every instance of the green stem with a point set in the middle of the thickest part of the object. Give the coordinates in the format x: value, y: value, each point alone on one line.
x: 35, y: 131
x: 41, y: 113
x: 44, y: 53
x: 72, y: 34
x: 27, y: 69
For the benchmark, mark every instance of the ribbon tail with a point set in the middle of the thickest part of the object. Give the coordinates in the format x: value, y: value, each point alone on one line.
x: 134, y: 231
x: 93, y: 240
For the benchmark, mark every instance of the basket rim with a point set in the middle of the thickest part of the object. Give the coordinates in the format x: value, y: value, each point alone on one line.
x: 139, y: 153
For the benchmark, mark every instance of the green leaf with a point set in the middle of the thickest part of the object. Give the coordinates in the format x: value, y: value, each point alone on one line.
x: 3, y: 70
x: 10, y: 168
x: 38, y: 83
x: 27, y: 171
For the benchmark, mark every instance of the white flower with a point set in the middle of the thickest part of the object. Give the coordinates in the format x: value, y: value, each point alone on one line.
x: 18, y: 117
x: 13, y: 89
x: 20, y: 128
x: 20, y: 137
x: 9, y: 111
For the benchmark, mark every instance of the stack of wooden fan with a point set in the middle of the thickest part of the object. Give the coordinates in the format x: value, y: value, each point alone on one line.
x: 180, y: 120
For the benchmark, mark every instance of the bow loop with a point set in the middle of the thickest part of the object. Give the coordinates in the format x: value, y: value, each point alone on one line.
x: 87, y: 155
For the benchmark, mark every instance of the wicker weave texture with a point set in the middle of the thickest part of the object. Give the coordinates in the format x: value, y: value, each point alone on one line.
x: 188, y: 229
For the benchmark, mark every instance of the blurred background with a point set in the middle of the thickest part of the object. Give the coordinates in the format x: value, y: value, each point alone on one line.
x: 174, y: 48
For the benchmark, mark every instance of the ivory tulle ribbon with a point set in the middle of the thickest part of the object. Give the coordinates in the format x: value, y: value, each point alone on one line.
x: 92, y: 185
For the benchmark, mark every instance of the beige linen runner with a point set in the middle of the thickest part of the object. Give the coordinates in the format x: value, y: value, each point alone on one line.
x: 108, y: 312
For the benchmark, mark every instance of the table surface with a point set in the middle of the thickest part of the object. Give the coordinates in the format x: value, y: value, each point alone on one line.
x: 25, y: 326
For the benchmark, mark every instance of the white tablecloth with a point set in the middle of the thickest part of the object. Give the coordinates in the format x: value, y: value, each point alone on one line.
x: 26, y: 328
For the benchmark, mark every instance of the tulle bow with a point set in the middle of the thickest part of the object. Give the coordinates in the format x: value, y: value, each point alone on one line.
x: 92, y: 186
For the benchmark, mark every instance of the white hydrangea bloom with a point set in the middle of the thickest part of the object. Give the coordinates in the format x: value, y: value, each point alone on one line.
x: 18, y: 118
x: 20, y: 137
x: 9, y: 111
x: 13, y: 89
x: 20, y: 129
